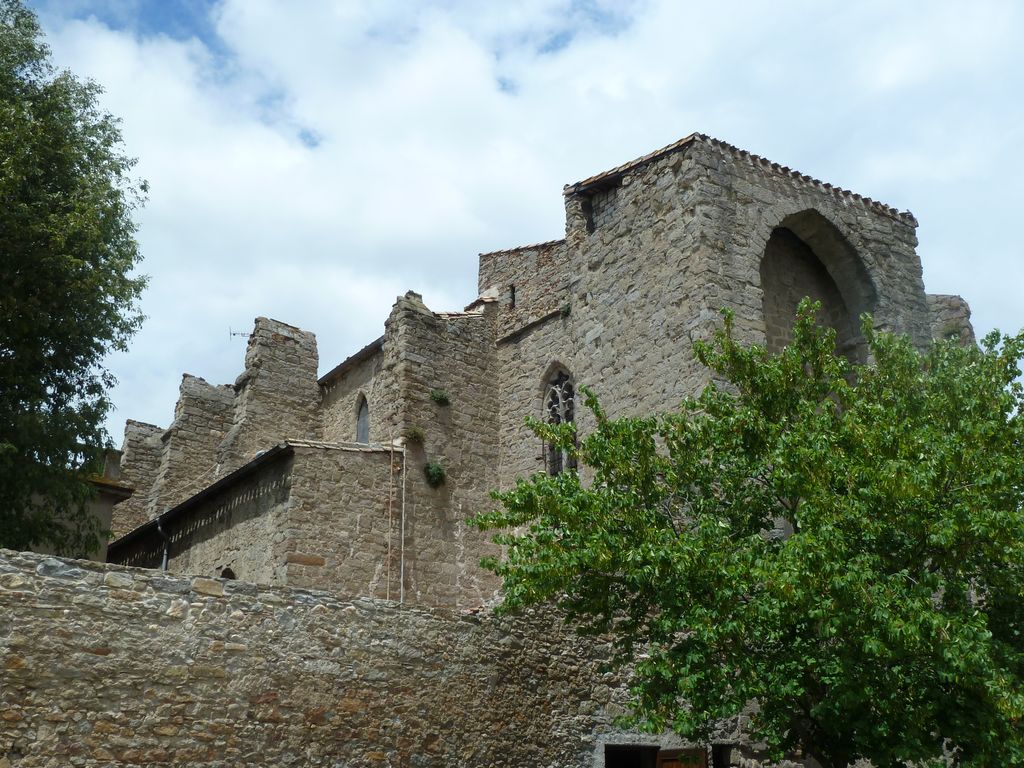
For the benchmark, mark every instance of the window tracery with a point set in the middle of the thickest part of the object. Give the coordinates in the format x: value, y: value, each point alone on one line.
x: 559, y: 407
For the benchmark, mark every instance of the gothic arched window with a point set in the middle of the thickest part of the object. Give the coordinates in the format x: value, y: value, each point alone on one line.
x: 363, y: 421
x: 559, y: 408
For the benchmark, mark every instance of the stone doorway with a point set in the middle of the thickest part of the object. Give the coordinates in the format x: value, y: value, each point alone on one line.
x: 634, y: 756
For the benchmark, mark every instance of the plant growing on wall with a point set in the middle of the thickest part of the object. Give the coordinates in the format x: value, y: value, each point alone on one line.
x: 440, y: 397
x: 434, y: 473
x: 415, y: 434
x: 843, y: 545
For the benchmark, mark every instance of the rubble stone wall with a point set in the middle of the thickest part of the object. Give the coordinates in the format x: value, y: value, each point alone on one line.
x: 625, y: 324
x: 342, y: 528
x: 103, y: 665
x: 448, y: 356
x: 659, y: 249
x: 241, y: 528
x: 140, y: 464
x: 189, y: 454
x: 340, y: 401
x: 317, y: 515
x: 640, y: 301
x: 277, y: 394
x: 529, y: 282
x: 951, y: 316
x: 217, y: 429
x: 524, y: 362
x: 868, y: 249
x: 790, y: 272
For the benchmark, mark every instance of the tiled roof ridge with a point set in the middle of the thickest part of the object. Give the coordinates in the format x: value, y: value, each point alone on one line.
x: 285, y: 446
x: 341, y: 445
x: 356, y: 357
x: 753, y: 159
x: 632, y: 164
x: 806, y: 179
x: 545, y: 244
x: 455, y: 315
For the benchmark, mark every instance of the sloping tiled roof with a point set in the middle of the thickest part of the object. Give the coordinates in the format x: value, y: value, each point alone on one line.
x: 532, y: 247
x: 115, y: 548
x: 352, y: 360
x: 184, y: 509
x: 616, y: 173
x: 611, y: 177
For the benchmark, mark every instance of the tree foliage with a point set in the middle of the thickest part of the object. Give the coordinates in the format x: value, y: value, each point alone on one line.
x: 67, y: 292
x: 836, y: 549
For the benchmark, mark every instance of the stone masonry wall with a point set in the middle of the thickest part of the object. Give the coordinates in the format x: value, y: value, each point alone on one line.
x: 342, y: 527
x: 277, y: 394
x: 189, y: 455
x: 530, y: 282
x: 453, y: 354
x: 318, y: 515
x: 524, y: 364
x: 951, y: 316
x: 640, y: 301
x: 533, y: 333
x: 140, y: 463
x: 336, y: 521
x: 242, y: 528
x: 103, y: 665
x: 339, y: 401
x: 789, y: 273
x: 326, y: 524
x: 658, y: 249
x: 217, y: 429
x: 632, y: 311
x: 868, y: 248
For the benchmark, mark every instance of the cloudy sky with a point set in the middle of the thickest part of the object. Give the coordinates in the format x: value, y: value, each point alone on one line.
x: 310, y: 160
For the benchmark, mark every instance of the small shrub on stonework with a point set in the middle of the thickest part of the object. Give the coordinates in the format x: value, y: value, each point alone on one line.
x: 435, y: 474
x: 440, y: 397
x: 415, y: 435
x: 951, y: 331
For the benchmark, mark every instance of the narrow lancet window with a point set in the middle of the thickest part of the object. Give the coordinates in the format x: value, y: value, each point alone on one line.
x: 363, y: 421
x: 559, y: 406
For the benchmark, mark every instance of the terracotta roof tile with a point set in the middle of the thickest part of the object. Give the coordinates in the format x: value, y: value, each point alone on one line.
x: 534, y: 246
x: 370, y: 349
x: 632, y: 165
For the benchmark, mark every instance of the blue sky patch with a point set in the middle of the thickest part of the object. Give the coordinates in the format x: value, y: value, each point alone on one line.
x: 177, y: 19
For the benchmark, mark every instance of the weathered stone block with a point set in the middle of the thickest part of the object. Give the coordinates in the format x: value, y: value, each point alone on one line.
x: 117, y: 580
x: 299, y: 558
x: 208, y: 587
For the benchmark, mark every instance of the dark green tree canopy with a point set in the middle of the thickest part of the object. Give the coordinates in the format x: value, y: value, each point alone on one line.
x: 843, y: 545
x: 67, y: 292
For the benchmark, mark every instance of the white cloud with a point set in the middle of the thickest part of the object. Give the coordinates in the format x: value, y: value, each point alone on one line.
x: 952, y: 40
x: 310, y: 161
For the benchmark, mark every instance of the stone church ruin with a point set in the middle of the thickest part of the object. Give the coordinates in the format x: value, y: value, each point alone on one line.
x: 292, y: 580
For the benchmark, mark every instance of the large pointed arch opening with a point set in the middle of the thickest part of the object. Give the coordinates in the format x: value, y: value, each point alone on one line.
x: 807, y: 256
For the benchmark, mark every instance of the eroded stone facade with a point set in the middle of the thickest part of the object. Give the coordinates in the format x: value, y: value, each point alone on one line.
x: 653, y: 251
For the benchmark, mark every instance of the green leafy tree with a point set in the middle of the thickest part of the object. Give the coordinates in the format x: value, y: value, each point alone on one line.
x: 67, y: 292
x: 836, y: 550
